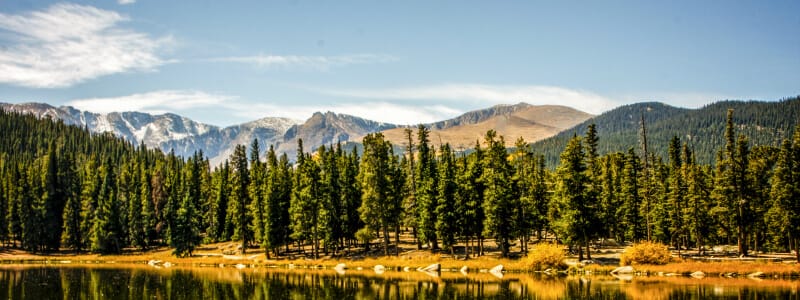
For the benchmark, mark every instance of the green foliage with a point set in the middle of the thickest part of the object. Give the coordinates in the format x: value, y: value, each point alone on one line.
x: 499, y: 192
x: 645, y: 253
x: 61, y: 186
x: 765, y: 123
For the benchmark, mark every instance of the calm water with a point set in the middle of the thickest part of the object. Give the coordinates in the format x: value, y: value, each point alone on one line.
x: 136, y: 282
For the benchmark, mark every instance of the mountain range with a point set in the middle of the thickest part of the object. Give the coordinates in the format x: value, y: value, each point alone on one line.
x: 761, y: 122
x: 171, y: 132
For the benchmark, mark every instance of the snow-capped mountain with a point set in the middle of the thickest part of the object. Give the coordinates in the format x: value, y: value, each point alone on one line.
x: 170, y: 132
x: 167, y: 131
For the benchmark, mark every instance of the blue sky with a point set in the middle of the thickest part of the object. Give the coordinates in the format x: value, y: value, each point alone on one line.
x: 227, y: 62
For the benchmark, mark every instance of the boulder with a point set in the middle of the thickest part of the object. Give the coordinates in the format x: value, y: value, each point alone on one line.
x: 698, y: 274
x: 623, y: 270
x: 432, y: 268
x: 464, y: 270
x: 497, y: 271
x: 379, y: 269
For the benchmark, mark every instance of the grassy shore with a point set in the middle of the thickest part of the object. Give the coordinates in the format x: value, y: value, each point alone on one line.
x: 213, y: 255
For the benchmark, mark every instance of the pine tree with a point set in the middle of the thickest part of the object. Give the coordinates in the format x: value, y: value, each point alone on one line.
x: 53, y: 199
x: 446, y: 221
x: 220, y: 214
x: 186, y: 236
x: 499, y: 191
x: 677, y: 194
x: 425, y: 189
x: 73, y: 236
x: 106, y: 235
x: 332, y: 225
x: 784, y: 213
x: 351, y: 195
x: 379, y: 177
x: 240, y: 197
x: 306, y: 206
x: 138, y: 217
x: 732, y: 189
x: 257, y: 209
x: 277, y: 199
x: 572, y: 194
x: 30, y: 213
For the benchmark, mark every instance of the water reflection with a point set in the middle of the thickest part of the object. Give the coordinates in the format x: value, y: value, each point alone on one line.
x: 136, y: 282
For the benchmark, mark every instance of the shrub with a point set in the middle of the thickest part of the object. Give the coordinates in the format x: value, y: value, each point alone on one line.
x: 645, y: 253
x: 545, y: 256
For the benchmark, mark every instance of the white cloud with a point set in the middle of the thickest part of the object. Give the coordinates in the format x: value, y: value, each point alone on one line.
x: 487, y: 94
x: 318, y: 63
x: 125, y: 2
x: 68, y: 44
x: 175, y: 101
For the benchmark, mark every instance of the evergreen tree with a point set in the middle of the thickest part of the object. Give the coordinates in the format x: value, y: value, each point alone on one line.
x: 277, y: 199
x: 258, y: 182
x: 786, y: 194
x: 677, y: 194
x: 425, y: 190
x: 470, y: 197
x: 572, y: 194
x: 499, y: 192
x: 380, y: 201
x: 71, y: 235
x: 30, y: 213
x: 306, y: 206
x: 351, y: 195
x: 220, y: 216
x: 186, y: 236
x: 240, y: 197
x: 106, y: 232
x: 446, y: 221
x: 332, y: 226
x: 53, y: 200
x: 732, y: 189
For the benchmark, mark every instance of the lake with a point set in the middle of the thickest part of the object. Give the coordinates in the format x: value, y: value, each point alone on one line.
x: 144, y: 282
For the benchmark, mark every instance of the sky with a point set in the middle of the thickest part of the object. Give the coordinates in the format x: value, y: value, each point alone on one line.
x: 403, y: 62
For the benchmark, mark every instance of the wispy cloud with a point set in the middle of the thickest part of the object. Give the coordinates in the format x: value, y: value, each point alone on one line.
x: 177, y: 101
x: 68, y: 44
x: 486, y: 94
x: 317, y: 63
x: 126, y: 2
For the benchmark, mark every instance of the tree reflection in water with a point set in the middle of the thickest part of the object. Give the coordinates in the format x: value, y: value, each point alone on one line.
x: 136, y: 282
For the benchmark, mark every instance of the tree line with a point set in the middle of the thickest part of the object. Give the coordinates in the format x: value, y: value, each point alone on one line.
x: 63, y: 187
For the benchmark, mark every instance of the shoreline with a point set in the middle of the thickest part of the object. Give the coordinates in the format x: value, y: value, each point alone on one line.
x: 163, y: 259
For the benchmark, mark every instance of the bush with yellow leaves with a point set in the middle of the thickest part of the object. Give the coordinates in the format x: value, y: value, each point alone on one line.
x: 645, y: 253
x: 545, y: 256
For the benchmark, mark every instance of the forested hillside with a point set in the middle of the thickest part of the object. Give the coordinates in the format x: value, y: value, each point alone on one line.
x: 63, y: 187
x: 765, y: 123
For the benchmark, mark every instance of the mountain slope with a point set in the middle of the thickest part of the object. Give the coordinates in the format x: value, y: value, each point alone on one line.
x: 532, y: 122
x: 328, y: 128
x: 764, y: 123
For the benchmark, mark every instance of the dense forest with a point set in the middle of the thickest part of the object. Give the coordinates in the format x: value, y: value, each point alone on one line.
x: 64, y: 188
x: 764, y: 123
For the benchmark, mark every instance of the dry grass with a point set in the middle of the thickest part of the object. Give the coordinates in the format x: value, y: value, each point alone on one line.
x: 717, y: 268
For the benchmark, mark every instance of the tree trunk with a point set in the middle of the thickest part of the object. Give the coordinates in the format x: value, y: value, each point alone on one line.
x: 480, y: 245
x: 386, y: 240
x: 397, y: 240
x: 588, y: 251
